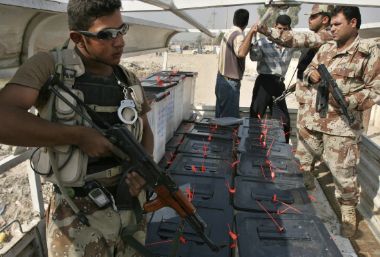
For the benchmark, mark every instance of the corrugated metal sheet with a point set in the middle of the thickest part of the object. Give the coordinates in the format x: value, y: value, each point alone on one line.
x: 369, y: 179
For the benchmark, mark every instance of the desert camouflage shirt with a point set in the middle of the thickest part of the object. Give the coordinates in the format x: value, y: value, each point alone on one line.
x: 297, y: 39
x: 356, y: 71
x: 294, y: 39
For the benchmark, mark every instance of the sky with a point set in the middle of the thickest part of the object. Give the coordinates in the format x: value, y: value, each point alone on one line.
x: 221, y: 18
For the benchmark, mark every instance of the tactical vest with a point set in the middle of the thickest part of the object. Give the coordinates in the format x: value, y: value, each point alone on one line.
x: 103, y: 95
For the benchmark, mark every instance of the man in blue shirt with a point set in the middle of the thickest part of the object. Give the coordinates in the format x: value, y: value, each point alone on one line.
x: 272, y: 63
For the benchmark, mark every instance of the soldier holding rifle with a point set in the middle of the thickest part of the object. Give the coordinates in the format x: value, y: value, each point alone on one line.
x: 354, y: 64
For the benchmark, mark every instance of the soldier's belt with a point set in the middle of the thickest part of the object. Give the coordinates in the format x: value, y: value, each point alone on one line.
x: 84, y: 191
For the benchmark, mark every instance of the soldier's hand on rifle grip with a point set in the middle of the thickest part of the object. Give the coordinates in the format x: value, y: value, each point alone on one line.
x: 92, y: 143
x: 135, y: 182
x: 315, y: 77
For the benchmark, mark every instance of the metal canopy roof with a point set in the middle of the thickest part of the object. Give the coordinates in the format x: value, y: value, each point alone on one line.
x: 28, y: 26
x: 142, y: 5
x: 178, y: 7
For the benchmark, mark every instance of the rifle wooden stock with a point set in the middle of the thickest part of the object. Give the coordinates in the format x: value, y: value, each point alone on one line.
x: 177, y: 201
x: 168, y: 193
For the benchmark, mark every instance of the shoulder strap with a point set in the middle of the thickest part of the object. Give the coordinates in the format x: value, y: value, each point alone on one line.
x: 128, y: 76
x: 68, y: 64
x: 57, y: 54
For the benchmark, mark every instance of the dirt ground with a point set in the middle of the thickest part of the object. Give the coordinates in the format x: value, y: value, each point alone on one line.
x: 206, y: 66
x: 15, y: 202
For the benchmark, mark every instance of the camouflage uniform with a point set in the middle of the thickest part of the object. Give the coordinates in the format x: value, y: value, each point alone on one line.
x: 67, y: 236
x: 356, y: 70
x: 311, y: 40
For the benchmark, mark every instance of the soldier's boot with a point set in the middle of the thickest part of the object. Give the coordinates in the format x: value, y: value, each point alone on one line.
x: 348, y: 228
x: 308, y: 180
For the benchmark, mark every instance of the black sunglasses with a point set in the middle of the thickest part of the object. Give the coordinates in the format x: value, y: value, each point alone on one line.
x: 107, y: 34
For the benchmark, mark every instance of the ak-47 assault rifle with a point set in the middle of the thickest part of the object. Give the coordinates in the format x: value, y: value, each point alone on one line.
x: 328, y: 85
x: 129, y: 151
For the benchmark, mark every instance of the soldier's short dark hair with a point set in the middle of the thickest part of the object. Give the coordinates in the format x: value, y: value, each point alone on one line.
x: 350, y: 12
x: 241, y: 18
x: 284, y: 19
x: 82, y: 13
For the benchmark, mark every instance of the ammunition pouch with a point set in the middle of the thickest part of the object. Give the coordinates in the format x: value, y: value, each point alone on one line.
x: 71, y: 161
